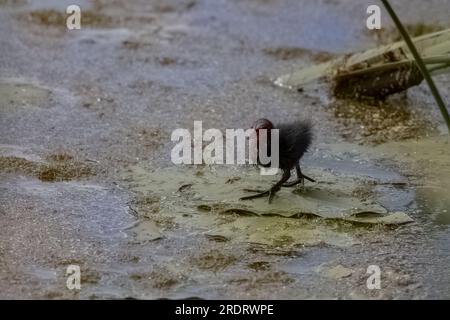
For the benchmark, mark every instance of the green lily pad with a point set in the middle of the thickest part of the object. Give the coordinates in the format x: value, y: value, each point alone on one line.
x: 331, y: 198
x: 204, y: 199
x: 280, y: 232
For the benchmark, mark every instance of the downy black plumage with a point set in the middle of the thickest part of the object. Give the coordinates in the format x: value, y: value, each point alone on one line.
x: 294, y: 140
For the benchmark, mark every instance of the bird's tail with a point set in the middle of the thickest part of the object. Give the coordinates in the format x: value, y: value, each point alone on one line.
x: 305, y: 134
x: 297, y: 136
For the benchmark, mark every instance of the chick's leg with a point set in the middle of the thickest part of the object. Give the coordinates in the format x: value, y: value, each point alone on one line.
x: 300, y: 178
x: 271, y: 192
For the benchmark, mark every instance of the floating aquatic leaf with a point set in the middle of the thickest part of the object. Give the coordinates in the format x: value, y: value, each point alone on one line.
x: 280, y: 232
x: 212, y: 204
x: 331, y: 198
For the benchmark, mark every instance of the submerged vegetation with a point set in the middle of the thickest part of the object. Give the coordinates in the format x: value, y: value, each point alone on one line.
x: 54, y: 18
x: 59, y: 167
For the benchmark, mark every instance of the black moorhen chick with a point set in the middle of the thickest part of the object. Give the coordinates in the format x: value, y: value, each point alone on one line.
x: 294, y: 140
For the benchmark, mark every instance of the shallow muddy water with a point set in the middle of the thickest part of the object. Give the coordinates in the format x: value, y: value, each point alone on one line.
x: 86, y: 178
